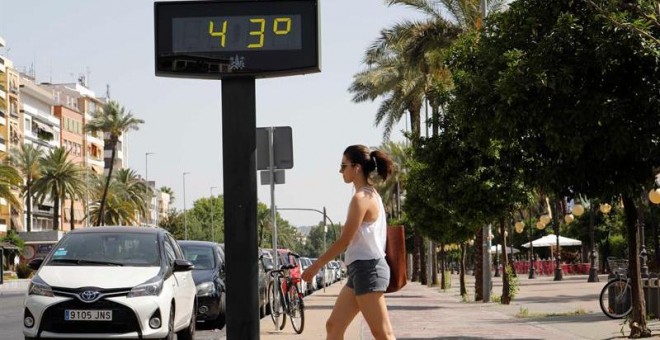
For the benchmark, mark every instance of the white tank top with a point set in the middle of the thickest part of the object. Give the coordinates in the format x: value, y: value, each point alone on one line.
x: 368, y: 243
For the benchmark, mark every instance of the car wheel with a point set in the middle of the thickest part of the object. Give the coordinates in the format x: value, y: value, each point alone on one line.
x: 170, y: 325
x: 220, y: 320
x: 188, y: 333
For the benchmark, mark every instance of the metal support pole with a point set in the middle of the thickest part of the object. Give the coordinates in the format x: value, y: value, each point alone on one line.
x: 325, y: 232
x: 273, y: 207
x: 532, y: 257
x: 487, y: 283
x: 212, y: 226
x: 146, y: 181
x: 239, y: 144
x: 593, y: 268
x: 185, y: 213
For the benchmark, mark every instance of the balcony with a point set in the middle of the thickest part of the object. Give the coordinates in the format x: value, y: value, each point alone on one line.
x: 3, y: 145
x: 3, y: 117
x: 95, y: 140
x: 3, y: 68
x: 3, y: 94
x: 96, y: 162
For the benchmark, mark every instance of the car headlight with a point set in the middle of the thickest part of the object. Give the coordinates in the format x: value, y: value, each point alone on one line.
x: 39, y: 287
x: 152, y: 287
x: 205, y: 289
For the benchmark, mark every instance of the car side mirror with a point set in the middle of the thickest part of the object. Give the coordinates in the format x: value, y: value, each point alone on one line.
x: 36, y: 263
x: 182, y: 265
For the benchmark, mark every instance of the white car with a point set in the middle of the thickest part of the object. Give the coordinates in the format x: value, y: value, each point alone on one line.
x: 112, y: 282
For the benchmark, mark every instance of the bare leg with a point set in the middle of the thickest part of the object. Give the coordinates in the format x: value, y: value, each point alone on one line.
x: 374, y: 310
x: 343, y: 313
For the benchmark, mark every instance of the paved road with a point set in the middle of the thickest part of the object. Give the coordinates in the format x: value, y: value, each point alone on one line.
x: 11, y: 326
x: 10, y: 316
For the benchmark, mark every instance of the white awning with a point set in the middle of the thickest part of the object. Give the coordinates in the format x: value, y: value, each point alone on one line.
x: 43, y: 127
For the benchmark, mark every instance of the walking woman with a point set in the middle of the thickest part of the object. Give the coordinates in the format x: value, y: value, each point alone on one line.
x: 363, y: 238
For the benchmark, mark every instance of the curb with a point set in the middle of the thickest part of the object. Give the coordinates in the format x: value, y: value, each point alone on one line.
x: 15, y: 286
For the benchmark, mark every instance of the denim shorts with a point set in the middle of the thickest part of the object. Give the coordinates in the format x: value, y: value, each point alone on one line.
x: 366, y: 276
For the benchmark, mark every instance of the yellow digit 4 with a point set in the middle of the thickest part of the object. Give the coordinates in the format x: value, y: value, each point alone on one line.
x: 287, y: 26
x: 222, y: 34
x: 260, y: 32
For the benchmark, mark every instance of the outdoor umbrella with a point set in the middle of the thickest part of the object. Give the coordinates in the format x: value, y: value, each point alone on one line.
x: 498, y: 249
x: 551, y: 241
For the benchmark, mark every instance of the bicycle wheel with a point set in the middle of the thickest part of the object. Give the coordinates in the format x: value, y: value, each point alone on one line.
x: 296, y: 309
x: 616, y: 298
x: 276, y: 306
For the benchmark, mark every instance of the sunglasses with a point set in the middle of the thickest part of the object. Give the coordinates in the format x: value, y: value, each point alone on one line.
x: 343, y: 166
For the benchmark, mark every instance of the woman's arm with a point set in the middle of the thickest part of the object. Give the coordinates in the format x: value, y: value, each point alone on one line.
x: 356, y: 212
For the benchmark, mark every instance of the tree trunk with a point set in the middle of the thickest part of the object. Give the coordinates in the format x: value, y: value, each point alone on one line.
x: 72, y: 220
x: 637, y: 322
x: 462, y: 266
x: 423, y: 278
x: 113, y: 145
x: 443, y: 268
x: 28, y: 203
x: 434, y: 265
x: 56, y: 212
x: 478, y: 265
x: 415, y: 274
x: 506, y: 298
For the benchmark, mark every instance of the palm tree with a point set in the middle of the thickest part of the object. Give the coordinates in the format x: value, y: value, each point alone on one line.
x: 10, y: 178
x: 25, y: 159
x: 113, y: 121
x: 168, y: 191
x: 60, y: 178
x: 133, y: 190
x: 390, y: 190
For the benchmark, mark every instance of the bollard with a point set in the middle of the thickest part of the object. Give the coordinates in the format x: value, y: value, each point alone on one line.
x: 652, y: 300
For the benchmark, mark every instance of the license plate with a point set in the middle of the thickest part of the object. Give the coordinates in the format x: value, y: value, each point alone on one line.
x: 87, y: 315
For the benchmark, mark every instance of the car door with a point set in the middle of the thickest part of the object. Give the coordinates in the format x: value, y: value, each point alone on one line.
x: 184, y: 287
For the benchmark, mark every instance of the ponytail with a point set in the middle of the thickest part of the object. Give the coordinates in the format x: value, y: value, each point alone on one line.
x: 382, y: 163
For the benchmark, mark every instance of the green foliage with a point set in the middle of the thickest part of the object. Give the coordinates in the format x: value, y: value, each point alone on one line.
x: 618, y: 246
x: 23, y: 271
x: 13, y: 238
x: 514, y: 282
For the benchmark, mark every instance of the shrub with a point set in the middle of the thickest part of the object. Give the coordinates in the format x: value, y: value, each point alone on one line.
x: 23, y: 271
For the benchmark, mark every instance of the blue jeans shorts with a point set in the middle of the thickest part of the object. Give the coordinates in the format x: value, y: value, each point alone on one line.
x: 366, y: 276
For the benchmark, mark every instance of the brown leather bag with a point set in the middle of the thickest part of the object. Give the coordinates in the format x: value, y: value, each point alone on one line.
x: 395, y: 255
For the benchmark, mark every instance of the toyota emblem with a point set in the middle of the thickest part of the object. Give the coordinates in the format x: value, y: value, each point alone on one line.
x: 89, y: 296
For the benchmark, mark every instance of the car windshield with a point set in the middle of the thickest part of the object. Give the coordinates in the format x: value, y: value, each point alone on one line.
x: 111, y: 249
x: 201, y: 256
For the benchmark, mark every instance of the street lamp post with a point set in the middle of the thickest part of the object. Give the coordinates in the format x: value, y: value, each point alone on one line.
x: 212, y: 226
x: 185, y: 221
x: 146, y: 182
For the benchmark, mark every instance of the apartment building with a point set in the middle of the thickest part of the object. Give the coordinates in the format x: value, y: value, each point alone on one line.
x: 42, y: 129
x: 74, y: 105
x: 11, y: 134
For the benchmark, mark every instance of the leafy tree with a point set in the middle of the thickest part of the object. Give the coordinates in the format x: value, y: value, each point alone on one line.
x: 112, y: 121
x: 578, y: 95
x: 25, y: 159
x: 173, y: 223
x: 60, y: 178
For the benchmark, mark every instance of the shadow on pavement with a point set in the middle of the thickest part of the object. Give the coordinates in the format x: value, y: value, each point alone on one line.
x: 465, y: 338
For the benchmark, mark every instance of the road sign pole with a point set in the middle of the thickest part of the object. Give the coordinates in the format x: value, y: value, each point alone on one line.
x: 240, y: 194
x: 273, y: 209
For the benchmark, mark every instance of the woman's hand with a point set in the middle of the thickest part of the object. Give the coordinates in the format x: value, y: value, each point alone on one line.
x: 309, y: 273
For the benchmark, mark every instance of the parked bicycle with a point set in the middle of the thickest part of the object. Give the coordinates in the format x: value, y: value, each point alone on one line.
x: 616, y: 296
x: 286, y: 299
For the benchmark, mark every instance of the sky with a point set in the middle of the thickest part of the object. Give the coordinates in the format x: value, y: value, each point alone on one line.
x: 112, y: 43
